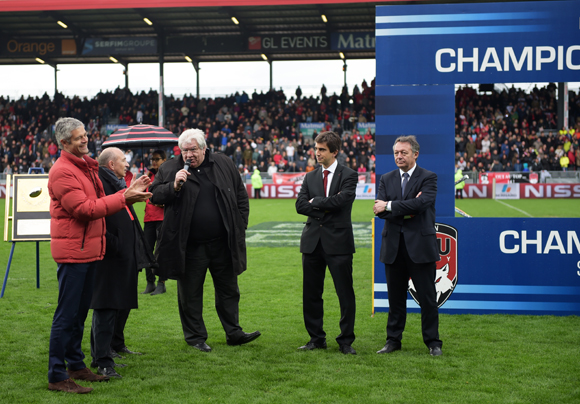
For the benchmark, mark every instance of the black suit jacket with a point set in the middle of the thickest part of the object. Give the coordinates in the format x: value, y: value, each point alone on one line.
x: 126, y: 253
x: 329, y: 218
x: 412, y: 216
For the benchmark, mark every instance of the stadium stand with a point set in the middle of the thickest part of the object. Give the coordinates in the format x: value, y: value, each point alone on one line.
x: 254, y: 130
x: 513, y: 130
x: 508, y: 130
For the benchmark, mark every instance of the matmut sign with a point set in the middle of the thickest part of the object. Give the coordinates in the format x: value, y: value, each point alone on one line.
x: 511, y: 42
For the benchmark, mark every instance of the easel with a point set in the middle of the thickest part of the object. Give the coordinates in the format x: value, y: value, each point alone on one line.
x: 7, y: 219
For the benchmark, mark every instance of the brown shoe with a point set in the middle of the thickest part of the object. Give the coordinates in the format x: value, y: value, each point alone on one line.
x: 86, y: 374
x: 69, y: 386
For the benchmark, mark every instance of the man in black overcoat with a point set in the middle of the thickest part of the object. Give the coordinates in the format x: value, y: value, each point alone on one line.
x: 406, y: 200
x: 204, y: 227
x: 115, y: 291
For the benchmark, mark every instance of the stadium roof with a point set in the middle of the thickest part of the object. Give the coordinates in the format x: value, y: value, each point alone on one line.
x: 203, y: 30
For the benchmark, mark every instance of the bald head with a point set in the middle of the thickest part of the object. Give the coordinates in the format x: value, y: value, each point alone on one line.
x: 114, y: 159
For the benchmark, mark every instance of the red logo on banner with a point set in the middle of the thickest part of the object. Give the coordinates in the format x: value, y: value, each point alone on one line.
x: 446, y: 274
x: 255, y: 43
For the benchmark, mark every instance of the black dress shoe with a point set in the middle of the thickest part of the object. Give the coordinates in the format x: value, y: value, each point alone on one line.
x: 115, y: 365
x: 247, y: 337
x: 202, y: 346
x: 149, y: 288
x: 127, y: 351
x: 435, y: 351
x: 109, y: 372
x: 114, y: 354
x: 311, y: 345
x: 389, y: 348
x: 347, y: 350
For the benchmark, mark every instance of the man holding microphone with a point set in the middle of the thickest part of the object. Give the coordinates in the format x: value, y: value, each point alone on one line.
x: 204, y: 227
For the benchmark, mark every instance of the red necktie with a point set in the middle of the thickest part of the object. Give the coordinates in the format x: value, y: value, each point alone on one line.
x: 325, y: 180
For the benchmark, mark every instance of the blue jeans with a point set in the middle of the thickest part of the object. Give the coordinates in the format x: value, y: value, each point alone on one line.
x: 75, y: 291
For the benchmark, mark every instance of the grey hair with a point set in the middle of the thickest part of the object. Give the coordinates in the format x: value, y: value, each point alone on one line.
x: 192, y: 134
x: 63, y: 129
x: 411, y: 139
x: 107, y: 155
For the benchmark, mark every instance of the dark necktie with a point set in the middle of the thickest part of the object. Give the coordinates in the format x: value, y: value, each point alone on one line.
x: 405, y: 181
x: 325, y: 180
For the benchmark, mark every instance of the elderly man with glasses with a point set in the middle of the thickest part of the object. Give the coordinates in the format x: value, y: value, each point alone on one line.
x: 206, y: 216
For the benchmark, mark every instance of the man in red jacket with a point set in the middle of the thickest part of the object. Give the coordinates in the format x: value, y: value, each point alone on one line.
x: 78, y: 207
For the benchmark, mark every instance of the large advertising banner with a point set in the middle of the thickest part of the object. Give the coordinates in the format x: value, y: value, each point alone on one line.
x: 500, y: 266
x: 527, y: 266
x: 478, y: 43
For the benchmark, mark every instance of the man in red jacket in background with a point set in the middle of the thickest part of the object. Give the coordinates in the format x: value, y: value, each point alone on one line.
x: 153, y: 221
x: 78, y: 207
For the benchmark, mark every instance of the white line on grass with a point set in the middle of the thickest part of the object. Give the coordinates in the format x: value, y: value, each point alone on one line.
x: 513, y: 207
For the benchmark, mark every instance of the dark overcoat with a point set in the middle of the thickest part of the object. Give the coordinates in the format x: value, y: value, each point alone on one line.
x: 231, y: 197
x: 125, y: 256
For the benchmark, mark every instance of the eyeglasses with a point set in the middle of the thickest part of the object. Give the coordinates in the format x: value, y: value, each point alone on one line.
x: 194, y: 150
x: 156, y: 159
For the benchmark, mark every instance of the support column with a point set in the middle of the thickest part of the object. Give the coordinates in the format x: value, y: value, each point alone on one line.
x: 563, y: 107
x: 271, y: 75
x: 55, y: 80
x: 195, y: 64
x: 161, y: 44
x: 126, y: 66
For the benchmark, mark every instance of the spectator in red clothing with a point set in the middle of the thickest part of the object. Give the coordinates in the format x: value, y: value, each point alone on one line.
x: 153, y: 221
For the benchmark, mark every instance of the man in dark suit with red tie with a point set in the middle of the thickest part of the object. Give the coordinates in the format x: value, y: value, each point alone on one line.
x: 406, y: 200
x: 326, y: 197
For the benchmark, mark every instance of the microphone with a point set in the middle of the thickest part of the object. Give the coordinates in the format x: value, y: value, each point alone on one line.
x: 186, y: 168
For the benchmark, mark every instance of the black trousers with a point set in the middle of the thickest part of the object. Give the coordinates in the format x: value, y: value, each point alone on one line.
x: 151, y: 230
x: 216, y: 257
x: 102, y: 330
x: 313, y: 271
x: 107, y: 332
x: 423, y: 276
x: 118, y: 341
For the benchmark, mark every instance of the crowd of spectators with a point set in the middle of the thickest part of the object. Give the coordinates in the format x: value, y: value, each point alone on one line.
x: 509, y: 130
x: 260, y: 130
x: 513, y: 130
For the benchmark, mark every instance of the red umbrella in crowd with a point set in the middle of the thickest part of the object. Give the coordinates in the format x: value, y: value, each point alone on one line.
x: 141, y: 136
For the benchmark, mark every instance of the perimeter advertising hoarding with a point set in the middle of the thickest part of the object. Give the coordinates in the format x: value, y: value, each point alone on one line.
x: 521, y: 266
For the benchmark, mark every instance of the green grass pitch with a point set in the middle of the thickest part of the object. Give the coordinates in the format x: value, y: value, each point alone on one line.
x: 486, y: 358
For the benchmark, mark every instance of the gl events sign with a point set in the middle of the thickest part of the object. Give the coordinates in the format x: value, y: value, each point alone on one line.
x: 488, y: 265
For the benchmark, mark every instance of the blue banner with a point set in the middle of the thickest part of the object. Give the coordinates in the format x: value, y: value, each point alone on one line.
x: 504, y: 265
x: 478, y: 43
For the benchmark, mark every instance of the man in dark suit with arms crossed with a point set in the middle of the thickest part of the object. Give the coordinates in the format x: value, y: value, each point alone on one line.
x: 406, y: 200
x: 326, y: 197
